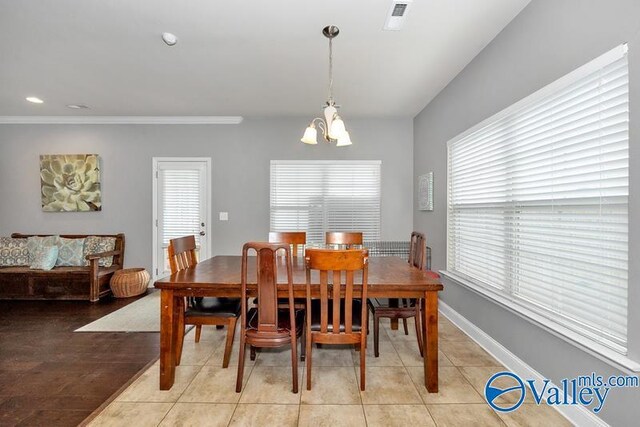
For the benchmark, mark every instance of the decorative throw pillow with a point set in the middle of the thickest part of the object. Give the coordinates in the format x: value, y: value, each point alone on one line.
x: 70, y: 252
x: 44, y: 258
x: 13, y: 252
x: 96, y: 245
x: 36, y: 241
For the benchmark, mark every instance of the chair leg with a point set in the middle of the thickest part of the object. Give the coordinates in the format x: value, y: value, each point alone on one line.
x: 240, y: 363
x: 180, y: 342
x: 404, y: 323
x: 376, y: 335
x: 294, y: 361
x: 363, y: 358
x: 303, y: 344
x: 418, y: 322
x: 229, y: 345
x: 252, y: 353
x: 198, y: 332
x: 309, y: 342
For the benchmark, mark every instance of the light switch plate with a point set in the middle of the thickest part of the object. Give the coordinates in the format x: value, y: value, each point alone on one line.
x: 224, y: 216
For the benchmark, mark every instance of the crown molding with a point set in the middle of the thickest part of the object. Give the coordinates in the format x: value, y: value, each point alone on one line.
x: 121, y: 120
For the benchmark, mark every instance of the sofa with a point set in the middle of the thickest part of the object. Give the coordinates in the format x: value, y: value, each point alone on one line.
x: 89, y: 282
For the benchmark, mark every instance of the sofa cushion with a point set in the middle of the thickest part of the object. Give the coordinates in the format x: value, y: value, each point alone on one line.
x: 44, y: 258
x: 36, y: 241
x: 95, y: 245
x: 13, y: 252
x: 70, y: 252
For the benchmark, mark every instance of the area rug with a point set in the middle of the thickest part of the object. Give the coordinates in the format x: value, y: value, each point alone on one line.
x: 142, y: 315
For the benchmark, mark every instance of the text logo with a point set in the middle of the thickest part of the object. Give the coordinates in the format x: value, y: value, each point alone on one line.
x: 505, y: 388
x: 504, y: 384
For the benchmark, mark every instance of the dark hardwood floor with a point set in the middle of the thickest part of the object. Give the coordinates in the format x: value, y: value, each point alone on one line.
x: 51, y: 376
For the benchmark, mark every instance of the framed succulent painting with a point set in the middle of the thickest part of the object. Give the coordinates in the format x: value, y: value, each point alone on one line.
x: 70, y: 183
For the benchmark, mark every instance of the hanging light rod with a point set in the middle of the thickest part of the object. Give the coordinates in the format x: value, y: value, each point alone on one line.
x: 331, y: 125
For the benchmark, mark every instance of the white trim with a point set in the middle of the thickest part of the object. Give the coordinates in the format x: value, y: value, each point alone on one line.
x: 578, y: 415
x: 595, y: 64
x: 121, y: 120
x: 325, y: 162
x: 154, y: 208
x: 601, y: 352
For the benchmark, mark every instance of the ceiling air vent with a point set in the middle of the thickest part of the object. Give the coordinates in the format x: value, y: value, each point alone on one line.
x: 398, y: 9
x: 397, y: 15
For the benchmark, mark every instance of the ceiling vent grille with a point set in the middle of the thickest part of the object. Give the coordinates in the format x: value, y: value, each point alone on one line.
x: 399, y: 9
x: 397, y: 15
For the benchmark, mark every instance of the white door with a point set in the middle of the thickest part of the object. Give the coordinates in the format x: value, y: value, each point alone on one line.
x: 181, y: 206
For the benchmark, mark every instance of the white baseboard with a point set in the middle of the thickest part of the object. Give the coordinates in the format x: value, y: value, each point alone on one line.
x: 577, y: 415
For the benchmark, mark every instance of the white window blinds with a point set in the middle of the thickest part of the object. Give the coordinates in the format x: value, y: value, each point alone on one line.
x: 537, y: 201
x: 319, y: 196
x: 181, y: 203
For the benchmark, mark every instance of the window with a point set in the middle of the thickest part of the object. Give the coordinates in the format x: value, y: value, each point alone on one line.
x: 537, y: 202
x: 319, y: 196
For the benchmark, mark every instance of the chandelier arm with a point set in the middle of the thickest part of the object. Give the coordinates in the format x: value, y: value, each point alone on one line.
x: 319, y: 122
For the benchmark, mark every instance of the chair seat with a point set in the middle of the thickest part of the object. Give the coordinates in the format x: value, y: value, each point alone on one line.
x: 378, y: 303
x: 285, y: 301
x: 284, y: 323
x: 432, y: 274
x: 356, y: 313
x: 210, y: 306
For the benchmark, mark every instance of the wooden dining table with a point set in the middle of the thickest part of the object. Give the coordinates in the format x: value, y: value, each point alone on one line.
x: 389, y: 277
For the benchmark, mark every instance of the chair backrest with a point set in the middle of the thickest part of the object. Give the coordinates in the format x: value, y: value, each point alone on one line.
x: 418, y: 250
x: 182, y: 253
x: 293, y: 238
x: 267, y: 264
x: 333, y: 263
x: 343, y: 238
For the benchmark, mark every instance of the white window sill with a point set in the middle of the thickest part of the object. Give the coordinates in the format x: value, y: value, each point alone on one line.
x: 607, y: 355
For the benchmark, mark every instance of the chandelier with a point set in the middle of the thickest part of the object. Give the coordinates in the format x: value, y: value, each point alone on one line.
x: 331, y: 125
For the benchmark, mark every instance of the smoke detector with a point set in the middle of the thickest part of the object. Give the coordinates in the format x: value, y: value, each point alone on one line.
x: 397, y: 15
x: 169, y: 39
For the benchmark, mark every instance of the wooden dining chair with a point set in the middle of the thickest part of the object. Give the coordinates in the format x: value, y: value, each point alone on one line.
x: 404, y: 309
x: 337, y: 317
x: 266, y: 325
x: 201, y: 311
x: 297, y: 239
x: 348, y: 239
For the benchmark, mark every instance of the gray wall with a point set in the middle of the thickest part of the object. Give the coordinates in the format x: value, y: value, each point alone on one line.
x: 240, y: 162
x: 548, y: 39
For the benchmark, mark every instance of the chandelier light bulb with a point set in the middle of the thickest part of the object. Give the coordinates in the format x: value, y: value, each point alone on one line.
x: 337, y: 129
x: 344, y: 140
x: 310, y: 136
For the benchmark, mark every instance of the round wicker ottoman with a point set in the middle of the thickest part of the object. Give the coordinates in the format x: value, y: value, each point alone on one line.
x: 129, y: 282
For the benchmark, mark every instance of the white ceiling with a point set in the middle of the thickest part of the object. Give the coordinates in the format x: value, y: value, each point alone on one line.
x: 235, y: 57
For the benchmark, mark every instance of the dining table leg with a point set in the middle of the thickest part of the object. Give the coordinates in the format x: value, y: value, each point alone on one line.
x: 168, y: 335
x: 430, y: 341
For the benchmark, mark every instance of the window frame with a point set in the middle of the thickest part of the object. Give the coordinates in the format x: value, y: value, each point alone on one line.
x: 506, y: 298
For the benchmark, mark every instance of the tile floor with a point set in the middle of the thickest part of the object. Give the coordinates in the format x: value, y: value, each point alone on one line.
x: 204, y: 393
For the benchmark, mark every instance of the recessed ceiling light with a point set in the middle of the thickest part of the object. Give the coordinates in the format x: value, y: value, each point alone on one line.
x: 34, y: 99
x: 78, y: 106
x: 169, y: 39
